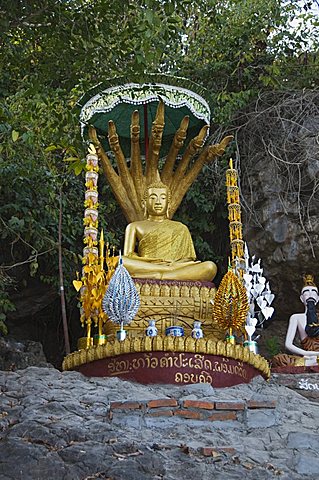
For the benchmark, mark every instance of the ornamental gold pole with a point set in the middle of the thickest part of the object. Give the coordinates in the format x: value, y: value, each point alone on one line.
x: 90, y: 258
x: 231, y: 301
x: 94, y: 279
x: 234, y: 217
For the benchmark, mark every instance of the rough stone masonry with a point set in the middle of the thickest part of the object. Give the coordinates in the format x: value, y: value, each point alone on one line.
x: 65, y: 426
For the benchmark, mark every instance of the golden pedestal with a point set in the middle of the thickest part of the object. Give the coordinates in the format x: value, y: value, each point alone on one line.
x: 85, y: 342
x: 163, y: 360
x: 170, y: 302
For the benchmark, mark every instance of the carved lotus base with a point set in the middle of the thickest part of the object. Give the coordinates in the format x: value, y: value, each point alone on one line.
x: 171, y: 302
x: 173, y: 360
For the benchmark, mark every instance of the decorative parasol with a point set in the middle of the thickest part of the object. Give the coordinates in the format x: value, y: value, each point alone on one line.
x: 117, y: 99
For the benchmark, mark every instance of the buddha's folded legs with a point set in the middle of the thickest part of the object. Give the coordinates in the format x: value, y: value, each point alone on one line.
x: 204, y: 272
x: 196, y: 271
x: 142, y: 269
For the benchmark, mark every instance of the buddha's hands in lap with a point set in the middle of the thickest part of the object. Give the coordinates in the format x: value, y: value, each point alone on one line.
x: 161, y: 248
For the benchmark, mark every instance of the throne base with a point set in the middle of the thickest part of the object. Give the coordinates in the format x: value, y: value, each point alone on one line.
x: 171, y: 302
x: 168, y: 360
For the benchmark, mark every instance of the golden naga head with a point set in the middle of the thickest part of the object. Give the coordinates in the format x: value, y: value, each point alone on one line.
x: 128, y: 181
x: 135, y: 127
x: 156, y: 200
x: 113, y: 137
x: 181, y: 133
x: 157, y: 129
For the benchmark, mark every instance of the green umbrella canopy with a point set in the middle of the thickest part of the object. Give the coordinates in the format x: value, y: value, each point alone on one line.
x: 118, y: 98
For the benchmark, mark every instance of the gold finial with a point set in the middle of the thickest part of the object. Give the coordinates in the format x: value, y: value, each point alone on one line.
x: 231, y: 303
x: 309, y: 280
x: 234, y: 217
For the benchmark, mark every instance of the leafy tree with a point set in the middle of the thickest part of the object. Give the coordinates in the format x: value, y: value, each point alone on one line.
x: 52, y: 51
x: 237, y: 48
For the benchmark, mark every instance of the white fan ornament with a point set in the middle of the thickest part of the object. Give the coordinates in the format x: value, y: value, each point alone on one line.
x: 121, y: 300
x: 259, y: 295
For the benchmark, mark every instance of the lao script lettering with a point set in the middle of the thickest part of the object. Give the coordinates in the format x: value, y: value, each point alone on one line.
x: 196, y: 362
x: 304, y: 384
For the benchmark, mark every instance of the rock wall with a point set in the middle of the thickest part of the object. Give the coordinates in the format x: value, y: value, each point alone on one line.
x: 66, y: 426
x: 278, y: 144
x: 15, y: 355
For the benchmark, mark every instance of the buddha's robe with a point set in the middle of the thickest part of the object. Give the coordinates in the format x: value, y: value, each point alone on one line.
x: 168, y: 243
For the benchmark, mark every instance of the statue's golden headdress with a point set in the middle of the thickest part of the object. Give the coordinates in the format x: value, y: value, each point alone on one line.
x: 308, y: 280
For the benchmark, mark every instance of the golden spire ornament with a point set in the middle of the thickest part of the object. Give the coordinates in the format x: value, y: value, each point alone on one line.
x: 231, y: 304
x: 94, y: 278
x: 234, y: 217
x: 231, y: 301
x: 308, y: 280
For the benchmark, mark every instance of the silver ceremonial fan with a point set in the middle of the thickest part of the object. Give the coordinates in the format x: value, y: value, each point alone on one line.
x: 121, y: 300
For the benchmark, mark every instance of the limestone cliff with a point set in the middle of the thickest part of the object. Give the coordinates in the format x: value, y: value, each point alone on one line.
x: 278, y: 144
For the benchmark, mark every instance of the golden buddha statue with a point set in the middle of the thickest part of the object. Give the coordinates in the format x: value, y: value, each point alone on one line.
x: 158, y: 251
x: 165, y: 247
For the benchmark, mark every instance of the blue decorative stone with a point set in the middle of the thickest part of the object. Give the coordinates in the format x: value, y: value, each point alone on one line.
x: 174, y: 331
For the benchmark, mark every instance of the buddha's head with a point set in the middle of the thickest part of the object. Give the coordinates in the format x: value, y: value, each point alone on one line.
x: 309, y: 291
x: 156, y: 200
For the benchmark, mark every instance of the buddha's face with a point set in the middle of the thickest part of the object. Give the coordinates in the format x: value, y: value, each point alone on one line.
x: 309, y: 293
x: 157, y: 201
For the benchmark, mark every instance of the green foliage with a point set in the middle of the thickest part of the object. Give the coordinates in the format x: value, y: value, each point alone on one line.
x: 33, y: 179
x: 84, y: 40
x: 52, y: 51
x: 237, y: 48
x: 204, y: 210
x: 272, y: 346
x: 6, y: 305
